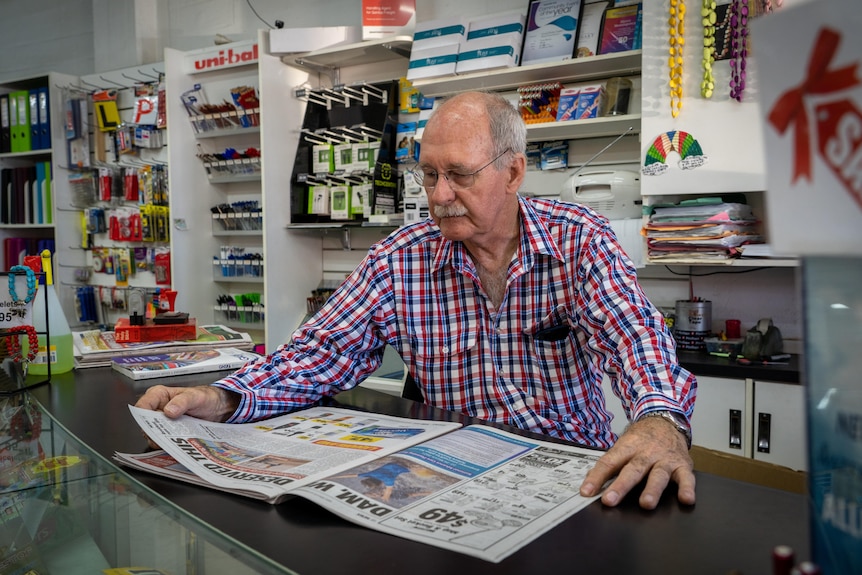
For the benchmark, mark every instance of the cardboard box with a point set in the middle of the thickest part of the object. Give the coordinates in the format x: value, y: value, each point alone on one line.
x: 568, y: 104
x: 507, y: 24
x: 323, y: 161
x: 748, y: 470
x: 339, y: 202
x: 488, y: 53
x: 431, y: 62
x: 415, y: 209
x: 589, y: 102
x: 442, y: 32
x: 318, y: 200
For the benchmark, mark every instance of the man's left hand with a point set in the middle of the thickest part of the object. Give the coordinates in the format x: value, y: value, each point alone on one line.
x: 651, y: 448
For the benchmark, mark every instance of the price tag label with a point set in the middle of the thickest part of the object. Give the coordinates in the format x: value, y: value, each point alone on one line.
x: 15, y: 313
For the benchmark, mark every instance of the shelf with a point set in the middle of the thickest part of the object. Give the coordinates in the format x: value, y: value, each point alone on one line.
x: 27, y: 154
x: 589, y: 128
x: 238, y: 280
x: 740, y: 263
x: 234, y: 179
x: 576, y: 69
x: 228, y: 132
x: 391, y: 48
x: 237, y: 233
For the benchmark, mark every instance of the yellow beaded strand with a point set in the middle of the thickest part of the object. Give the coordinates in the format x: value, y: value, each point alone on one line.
x: 707, y: 14
x: 676, y: 30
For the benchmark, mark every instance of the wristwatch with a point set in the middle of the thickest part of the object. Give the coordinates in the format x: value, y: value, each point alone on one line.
x: 677, y: 419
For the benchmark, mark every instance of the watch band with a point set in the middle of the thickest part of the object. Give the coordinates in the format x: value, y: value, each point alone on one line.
x: 677, y: 419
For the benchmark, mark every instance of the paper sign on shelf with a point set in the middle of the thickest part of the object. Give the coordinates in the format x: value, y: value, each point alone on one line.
x: 811, y: 102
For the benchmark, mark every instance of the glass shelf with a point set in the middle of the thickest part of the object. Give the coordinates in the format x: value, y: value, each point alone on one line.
x: 66, y: 509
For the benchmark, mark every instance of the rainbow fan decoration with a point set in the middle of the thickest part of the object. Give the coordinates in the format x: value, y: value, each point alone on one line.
x: 683, y: 143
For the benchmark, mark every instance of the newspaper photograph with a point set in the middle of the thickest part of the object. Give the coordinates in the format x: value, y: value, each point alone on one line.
x: 475, y: 490
x: 275, y: 456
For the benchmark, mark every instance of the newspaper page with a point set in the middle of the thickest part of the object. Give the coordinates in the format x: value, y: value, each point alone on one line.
x: 275, y: 456
x: 95, y: 348
x: 478, y: 491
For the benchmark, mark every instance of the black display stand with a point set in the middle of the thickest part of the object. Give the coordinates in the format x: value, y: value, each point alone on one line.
x: 5, y: 333
x: 328, y: 112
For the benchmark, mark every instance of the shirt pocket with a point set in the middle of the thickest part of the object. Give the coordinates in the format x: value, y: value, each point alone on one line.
x: 554, y: 344
x: 443, y: 348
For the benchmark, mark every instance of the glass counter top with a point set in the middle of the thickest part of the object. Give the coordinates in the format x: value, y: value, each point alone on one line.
x: 66, y: 509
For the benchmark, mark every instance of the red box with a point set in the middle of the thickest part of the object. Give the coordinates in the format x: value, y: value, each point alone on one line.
x: 127, y: 333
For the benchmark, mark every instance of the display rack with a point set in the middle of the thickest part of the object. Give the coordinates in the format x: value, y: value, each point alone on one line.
x: 7, y: 333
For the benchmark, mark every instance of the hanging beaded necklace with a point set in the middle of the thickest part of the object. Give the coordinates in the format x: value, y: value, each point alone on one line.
x: 707, y: 85
x: 13, y: 346
x: 676, y: 39
x: 739, y: 47
x: 31, y: 283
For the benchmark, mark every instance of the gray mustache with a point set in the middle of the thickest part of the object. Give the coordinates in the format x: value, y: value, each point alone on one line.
x: 449, y: 211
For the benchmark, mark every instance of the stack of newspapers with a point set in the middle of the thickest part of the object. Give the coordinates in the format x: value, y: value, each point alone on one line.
x: 95, y: 348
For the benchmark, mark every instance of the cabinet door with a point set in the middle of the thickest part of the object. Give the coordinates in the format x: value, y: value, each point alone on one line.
x: 719, y: 419
x: 780, y: 426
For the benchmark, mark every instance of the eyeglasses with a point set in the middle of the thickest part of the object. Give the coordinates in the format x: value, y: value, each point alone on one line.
x: 456, y: 180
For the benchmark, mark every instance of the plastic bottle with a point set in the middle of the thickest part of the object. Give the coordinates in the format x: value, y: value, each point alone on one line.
x: 62, y: 351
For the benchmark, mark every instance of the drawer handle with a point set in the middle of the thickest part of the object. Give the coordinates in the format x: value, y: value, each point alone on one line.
x: 764, y: 427
x: 735, y: 439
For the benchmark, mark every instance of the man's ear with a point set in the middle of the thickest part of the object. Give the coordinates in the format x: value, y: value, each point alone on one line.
x: 516, y: 171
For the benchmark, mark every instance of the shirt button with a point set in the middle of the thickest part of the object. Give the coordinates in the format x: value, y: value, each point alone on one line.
x: 445, y: 349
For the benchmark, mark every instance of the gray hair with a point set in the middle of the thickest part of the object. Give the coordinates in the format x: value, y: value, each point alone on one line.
x: 508, y: 130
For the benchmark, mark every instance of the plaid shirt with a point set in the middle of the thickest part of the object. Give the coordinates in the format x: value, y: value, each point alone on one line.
x: 419, y: 293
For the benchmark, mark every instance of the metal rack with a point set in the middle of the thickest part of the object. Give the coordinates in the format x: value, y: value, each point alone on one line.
x: 5, y: 333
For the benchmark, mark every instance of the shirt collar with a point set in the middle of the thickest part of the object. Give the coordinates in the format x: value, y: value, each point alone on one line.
x: 535, y: 239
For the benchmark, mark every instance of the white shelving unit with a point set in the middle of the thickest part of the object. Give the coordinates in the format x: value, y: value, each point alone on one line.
x: 64, y: 222
x: 289, y: 260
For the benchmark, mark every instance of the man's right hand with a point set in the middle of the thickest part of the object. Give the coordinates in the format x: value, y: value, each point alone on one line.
x: 204, y: 401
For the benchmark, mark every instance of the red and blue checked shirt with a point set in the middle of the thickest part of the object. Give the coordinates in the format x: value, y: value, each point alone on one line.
x: 419, y: 293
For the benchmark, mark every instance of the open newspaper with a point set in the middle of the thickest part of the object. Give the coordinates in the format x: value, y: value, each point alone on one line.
x: 476, y: 490
x: 95, y: 348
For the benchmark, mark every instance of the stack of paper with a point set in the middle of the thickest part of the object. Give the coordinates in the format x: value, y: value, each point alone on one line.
x: 702, y: 230
x: 94, y: 348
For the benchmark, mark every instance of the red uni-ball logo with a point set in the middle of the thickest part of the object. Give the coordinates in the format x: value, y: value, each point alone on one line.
x: 227, y: 57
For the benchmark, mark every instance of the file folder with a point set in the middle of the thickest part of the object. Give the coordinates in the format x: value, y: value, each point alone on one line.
x: 5, y: 125
x: 44, y: 119
x: 20, y: 121
x: 48, y: 201
x: 5, y: 195
x: 33, y: 111
x: 43, y: 193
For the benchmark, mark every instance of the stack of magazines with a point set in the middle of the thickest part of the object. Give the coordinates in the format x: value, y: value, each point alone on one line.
x: 702, y: 230
x: 95, y: 348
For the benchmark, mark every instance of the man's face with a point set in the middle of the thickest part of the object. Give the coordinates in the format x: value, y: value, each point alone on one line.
x: 458, y: 142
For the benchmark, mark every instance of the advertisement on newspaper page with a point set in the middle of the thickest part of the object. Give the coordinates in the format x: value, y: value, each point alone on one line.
x: 475, y: 490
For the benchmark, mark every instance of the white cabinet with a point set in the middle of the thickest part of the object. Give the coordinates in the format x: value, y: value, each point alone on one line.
x: 780, y: 424
x: 719, y: 420
x: 758, y: 419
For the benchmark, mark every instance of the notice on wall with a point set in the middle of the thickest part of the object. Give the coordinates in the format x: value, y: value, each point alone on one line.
x: 381, y: 18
